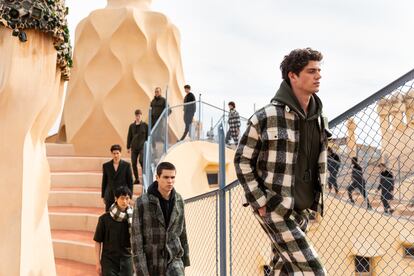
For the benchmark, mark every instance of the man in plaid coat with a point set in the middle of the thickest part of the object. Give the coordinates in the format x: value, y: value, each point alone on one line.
x: 281, y: 164
x: 234, y: 124
x: 159, y: 237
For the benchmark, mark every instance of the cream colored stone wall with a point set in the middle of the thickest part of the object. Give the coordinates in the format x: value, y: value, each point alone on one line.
x: 193, y: 160
x: 122, y: 52
x: 31, y: 92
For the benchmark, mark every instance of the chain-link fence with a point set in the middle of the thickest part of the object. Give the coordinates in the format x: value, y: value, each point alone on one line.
x: 368, y: 225
x: 203, y: 232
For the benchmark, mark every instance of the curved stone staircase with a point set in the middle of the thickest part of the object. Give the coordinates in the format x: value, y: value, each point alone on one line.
x: 75, y: 205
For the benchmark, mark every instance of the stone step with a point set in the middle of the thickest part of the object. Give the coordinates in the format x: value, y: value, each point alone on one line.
x: 75, y: 197
x: 76, y: 179
x: 76, y: 163
x: 72, y: 268
x: 74, y: 218
x: 81, y: 197
x: 53, y: 149
x: 75, y: 246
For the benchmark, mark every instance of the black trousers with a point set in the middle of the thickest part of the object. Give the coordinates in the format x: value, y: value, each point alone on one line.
x: 108, y: 203
x: 188, y: 120
x: 116, y: 266
x: 135, y: 153
x: 332, y: 180
x: 361, y: 187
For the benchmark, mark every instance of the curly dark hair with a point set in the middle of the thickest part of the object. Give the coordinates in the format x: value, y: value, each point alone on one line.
x: 297, y: 60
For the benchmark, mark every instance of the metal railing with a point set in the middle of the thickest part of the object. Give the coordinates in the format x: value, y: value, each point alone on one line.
x: 169, y: 128
x: 358, y: 237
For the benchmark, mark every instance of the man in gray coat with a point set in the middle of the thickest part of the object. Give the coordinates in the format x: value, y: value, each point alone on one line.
x: 159, y: 237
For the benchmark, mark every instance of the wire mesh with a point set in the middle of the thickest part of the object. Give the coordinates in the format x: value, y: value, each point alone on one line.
x: 368, y: 223
x: 202, y: 231
x: 250, y: 247
x: 369, y: 212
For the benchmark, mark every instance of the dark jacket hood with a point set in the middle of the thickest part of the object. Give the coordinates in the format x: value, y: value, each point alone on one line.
x: 285, y: 95
x: 153, y: 190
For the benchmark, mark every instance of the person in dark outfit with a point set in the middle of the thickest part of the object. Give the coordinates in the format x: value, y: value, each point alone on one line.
x: 234, y: 124
x: 137, y: 135
x: 159, y: 236
x: 158, y: 104
x: 116, y: 173
x: 189, y: 110
x: 334, y: 163
x: 358, y: 182
x: 281, y: 164
x: 112, y: 237
x: 387, y: 188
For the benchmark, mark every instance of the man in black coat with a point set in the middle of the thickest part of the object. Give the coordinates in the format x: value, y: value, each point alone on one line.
x: 358, y: 182
x: 189, y: 109
x: 334, y: 163
x: 387, y: 188
x: 137, y: 135
x: 116, y: 173
x: 158, y: 104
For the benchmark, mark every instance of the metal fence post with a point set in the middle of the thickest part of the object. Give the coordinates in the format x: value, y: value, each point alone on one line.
x: 199, y: 116
x: 166, y: 120
x: 222, y: 199
x: 399, y: 177
x: 148, y: 167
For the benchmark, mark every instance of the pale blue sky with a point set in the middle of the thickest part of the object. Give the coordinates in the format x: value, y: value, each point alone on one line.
x: 232, y: 49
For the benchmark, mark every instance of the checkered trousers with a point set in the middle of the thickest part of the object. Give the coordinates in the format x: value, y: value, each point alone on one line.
x: 293, y: 254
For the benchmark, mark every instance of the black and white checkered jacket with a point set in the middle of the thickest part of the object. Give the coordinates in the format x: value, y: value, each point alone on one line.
x: 266, y: 156
x: 234, y: 123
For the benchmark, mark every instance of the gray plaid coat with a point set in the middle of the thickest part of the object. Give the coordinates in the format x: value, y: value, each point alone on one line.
x: 158, y: 251
x: 266, y: 156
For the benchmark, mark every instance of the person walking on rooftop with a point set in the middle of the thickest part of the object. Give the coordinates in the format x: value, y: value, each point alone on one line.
x: 189, y: 110
x: 158, y: 104
x: 358, y: 182
x: 115, y: 173
x: 281, y: 164
x: 387, y: 188
x: 137, y: 135
x: 112, y: 237
x: 234, y: 124
x: 159, y: 235
x: 334, y: 163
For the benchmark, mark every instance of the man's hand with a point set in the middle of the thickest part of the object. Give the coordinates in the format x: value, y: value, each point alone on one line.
x: 262, y: 211
x: 98, y: 269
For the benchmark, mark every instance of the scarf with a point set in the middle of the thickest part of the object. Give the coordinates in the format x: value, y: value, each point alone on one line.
x: 121, y: 216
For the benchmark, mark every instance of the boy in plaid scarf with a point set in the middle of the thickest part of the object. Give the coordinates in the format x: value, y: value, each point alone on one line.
x: 112, y: 237
x: 281, y: 164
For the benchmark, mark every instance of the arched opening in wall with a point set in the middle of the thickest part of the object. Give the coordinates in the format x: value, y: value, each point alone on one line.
x: 212, y: 174
x: 408, y: 251
x: 363, y: 266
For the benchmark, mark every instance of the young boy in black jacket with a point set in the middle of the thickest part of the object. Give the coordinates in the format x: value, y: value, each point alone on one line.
x: 112, y: 237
